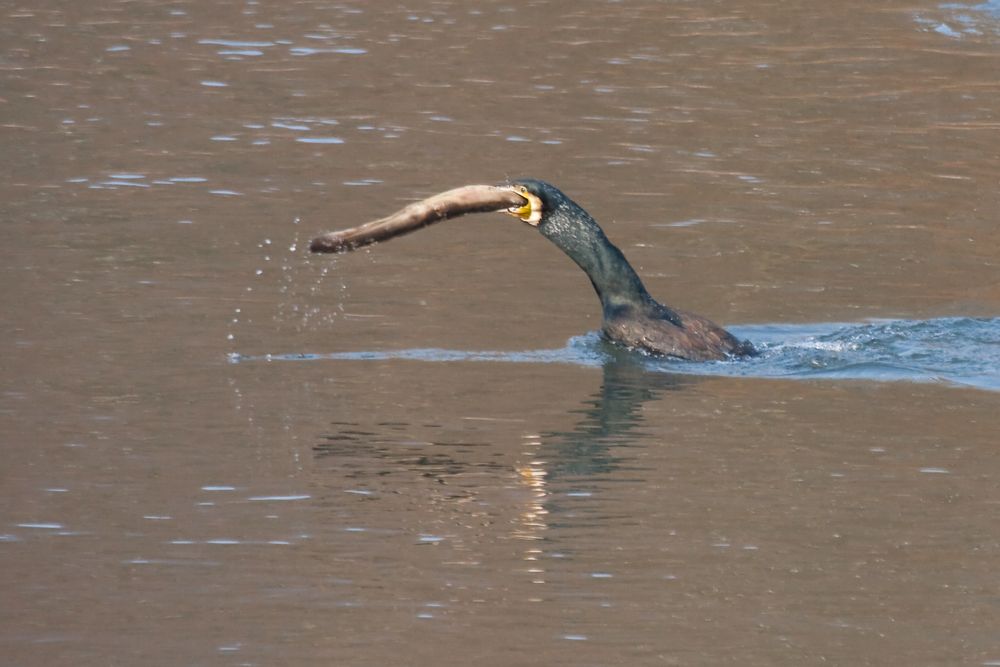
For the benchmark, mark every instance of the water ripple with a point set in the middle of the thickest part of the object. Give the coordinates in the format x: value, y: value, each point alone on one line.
x: 958, y: 20
x: 958, y: 350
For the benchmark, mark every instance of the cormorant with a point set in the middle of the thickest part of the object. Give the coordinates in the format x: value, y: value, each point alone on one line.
x: 630, y: 316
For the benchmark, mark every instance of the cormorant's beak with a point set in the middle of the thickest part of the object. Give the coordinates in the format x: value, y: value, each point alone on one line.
x: 531, y: 211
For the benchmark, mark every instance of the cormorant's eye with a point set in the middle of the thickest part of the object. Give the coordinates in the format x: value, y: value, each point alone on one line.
x: 524, y: 190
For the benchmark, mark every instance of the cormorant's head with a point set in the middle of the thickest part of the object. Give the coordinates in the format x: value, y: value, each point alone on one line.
x: 542, y: 198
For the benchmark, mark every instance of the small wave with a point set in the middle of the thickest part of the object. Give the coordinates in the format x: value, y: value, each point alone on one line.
x: 961, y: 351
x: 957, y: 350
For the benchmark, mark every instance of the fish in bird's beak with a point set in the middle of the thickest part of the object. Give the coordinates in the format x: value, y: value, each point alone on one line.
x: 531, y: 211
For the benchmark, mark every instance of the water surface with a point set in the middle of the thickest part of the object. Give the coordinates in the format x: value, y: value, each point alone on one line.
x: 960, y: 351
x: 454, y: 470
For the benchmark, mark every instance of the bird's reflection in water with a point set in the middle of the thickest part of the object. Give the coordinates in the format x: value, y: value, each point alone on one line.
x: 561, y: 465
x: 466, y: 464
x: 473, y: 483
x: 611, y: 417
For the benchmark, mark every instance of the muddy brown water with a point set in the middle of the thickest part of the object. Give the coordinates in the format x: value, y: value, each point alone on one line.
x: 164, y: 165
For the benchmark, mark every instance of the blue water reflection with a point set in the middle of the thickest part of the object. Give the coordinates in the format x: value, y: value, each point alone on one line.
x: 964, y: 20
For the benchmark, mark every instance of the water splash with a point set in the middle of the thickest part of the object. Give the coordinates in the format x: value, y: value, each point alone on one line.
x: 961, y: 351
x: 293, y: 284
x: 956, y: 350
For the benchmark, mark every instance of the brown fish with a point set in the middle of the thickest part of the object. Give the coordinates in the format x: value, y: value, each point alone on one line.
x: 450, y: 204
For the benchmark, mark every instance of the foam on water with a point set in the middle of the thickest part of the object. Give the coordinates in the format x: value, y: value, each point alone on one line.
x: 958, y: 350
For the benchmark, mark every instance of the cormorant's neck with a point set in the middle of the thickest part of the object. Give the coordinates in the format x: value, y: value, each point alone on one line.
x: 578, y: 235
